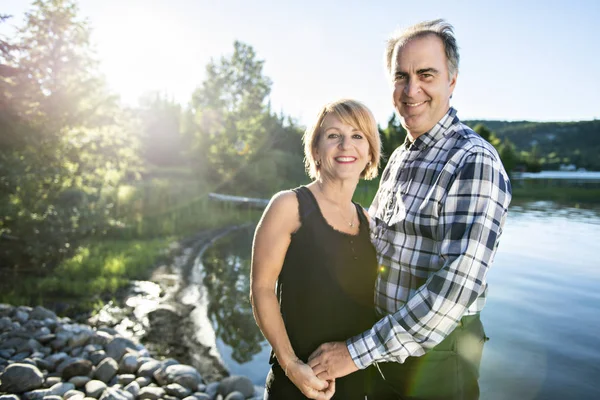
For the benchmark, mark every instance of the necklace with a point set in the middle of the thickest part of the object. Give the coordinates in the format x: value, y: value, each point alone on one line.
x: 351, y: 222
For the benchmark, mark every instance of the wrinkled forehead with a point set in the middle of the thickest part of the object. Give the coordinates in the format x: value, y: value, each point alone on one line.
x: 422, y: 51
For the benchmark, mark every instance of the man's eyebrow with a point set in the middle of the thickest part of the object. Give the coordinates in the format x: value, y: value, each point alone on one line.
x: 427, y: 71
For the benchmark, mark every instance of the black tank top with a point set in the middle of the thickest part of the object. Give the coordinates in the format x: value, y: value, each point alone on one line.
x: 327, y: 282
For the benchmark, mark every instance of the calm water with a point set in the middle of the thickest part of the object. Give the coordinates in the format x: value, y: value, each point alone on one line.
x: 543, y: 312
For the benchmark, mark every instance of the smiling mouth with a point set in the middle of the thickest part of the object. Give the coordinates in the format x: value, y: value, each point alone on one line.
x: 413, y: 104
x: 345, y: 159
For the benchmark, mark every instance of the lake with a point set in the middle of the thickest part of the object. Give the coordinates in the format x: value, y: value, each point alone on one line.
x: 542, y: 314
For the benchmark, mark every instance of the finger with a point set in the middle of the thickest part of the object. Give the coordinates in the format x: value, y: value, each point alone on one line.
x: 316, y: 383
x: 314, y: 361
x: 315, y: 353
x: 319, y: 369
x: 330, y: 391
x: 323, y: 375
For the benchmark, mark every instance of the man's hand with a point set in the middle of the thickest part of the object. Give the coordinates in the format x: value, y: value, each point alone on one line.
x: 332, y: 360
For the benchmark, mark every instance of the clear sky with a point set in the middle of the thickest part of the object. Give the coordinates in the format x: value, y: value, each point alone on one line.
x: 520, y: 60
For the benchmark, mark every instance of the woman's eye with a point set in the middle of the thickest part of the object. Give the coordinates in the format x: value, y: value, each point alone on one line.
x: 333, y: 136
x: 357, y: 136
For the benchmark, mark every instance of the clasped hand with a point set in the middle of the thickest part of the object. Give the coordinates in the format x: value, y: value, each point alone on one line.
x: 305, y: 379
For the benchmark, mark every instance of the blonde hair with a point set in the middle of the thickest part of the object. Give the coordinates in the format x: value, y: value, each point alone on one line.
x: 350, y: 112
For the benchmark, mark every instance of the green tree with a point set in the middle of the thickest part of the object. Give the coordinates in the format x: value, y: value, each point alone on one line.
x: 392, y: 136
x: 230, y: 124
x: 160, y: 118
x: 73, y: 143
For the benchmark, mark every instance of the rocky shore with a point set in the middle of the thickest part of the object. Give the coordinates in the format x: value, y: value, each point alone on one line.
x: 143, y: 345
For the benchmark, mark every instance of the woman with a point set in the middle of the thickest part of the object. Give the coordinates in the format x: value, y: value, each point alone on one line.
x: 313, y: 265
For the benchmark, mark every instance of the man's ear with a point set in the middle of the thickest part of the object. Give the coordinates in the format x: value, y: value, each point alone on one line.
x: 453, y: 83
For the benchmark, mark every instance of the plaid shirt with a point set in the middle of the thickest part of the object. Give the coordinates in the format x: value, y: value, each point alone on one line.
x: 436, y: 221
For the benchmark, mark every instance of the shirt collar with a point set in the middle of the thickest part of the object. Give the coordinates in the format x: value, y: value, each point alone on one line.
x: 436, y: 133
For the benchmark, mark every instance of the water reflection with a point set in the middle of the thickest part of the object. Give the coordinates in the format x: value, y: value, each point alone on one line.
x: 227, y: 280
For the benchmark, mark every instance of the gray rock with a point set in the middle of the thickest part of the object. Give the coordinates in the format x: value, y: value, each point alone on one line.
x: 169, y: 397
x: 148, y: 368
x: 175, y: 389
x: 143, y: 381
x: 20, y: 356
x: 42, y: 364
x: 51, y: 381
x: 95, y: 388
x: 101, y: 338
x: 63, y: 364
x: 90, y: 348
x: 11, y: 343
x: 21, y: 316
x: 44, y: 338
x: 128, y: 364
x: 77, y: 351
x: 235, y: 396
x: 119, y: 346
x: 9, y: 397
x: 6, y: 310
x: 151, y: 393
x: 97, y: 356
x: 77, y: 367
x: 201, y: 396
x: 42, y: 313
x: 184, y: 375
x: 169, y: 361
x: 212, y: 389
x: 58, y: 344
x: 106, y: 370
x: 6, y: 353
x: 56, y: 358
x: 236, y: 383
x: 116, y: 394
x: 52, y: 397
x: 19, y: 378
x: 125, y: 379
x: 74, y: 394
x: 133, y: 388
x: 5, y: 324
x: 35, y: 394
x: 161, y: 377
x: 61, y: 388
x: 79, y: 381
x: 30, y: 346
x: 81, y: 339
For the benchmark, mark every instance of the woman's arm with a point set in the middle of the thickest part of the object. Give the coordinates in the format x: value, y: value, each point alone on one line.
x: 271, y: 241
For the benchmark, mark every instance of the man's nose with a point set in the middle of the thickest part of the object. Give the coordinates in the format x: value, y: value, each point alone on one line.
x: 411, y: 88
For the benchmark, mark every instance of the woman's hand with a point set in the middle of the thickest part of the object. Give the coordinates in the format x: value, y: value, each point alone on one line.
x: 305, y: 379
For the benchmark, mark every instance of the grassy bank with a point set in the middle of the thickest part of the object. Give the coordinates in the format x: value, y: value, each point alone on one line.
x: 96, y: 271
x: 147, y: 218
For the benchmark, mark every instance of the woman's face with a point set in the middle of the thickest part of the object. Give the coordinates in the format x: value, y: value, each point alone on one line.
x: 342, y: 149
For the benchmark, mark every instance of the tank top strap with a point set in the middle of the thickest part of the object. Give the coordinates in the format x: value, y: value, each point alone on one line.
x: 306, y: 202
x: 364, y: 222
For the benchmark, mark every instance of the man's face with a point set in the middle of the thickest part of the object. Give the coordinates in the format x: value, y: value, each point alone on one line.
x: 422, y: 86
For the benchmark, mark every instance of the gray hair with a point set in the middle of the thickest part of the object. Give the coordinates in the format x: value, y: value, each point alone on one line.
x: 438, y: 27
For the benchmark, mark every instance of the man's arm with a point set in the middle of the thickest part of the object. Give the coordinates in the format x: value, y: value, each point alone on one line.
x: 470, y: 224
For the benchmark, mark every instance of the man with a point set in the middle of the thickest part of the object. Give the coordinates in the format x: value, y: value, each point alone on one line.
x: 437, y: 219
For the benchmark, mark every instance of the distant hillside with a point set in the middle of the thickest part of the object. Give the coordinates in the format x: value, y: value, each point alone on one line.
x: 557, y: 142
